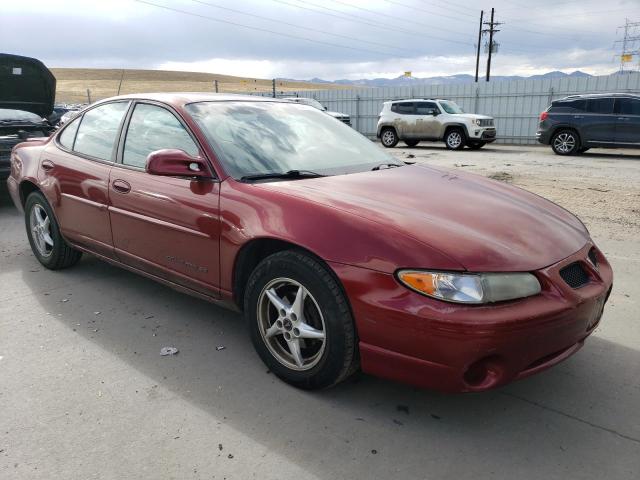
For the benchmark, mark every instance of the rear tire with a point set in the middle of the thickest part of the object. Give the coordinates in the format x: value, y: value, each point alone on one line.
x: 389, y: 137
x: 454, y: 139
x: 311, y: 343
x: 411, y: 143
x: 565, y: 142
x: 47, y: 244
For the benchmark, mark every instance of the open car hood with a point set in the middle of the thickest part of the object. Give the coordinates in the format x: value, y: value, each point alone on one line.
x: 26, y: 84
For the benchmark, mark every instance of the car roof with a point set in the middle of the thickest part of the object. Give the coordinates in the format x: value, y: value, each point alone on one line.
x: 598, y: 95
x: 179, y: 99
x: 417, y: 100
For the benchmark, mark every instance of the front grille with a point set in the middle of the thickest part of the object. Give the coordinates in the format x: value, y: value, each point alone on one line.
x: 486, y: 122
x: 593, y: 257
x: 575, y: 275
x: 489, y: 134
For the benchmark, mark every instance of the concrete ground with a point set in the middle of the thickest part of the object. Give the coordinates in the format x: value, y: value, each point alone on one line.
x: 85, y: 394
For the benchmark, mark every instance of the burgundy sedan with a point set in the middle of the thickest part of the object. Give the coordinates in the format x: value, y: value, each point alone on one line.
x: 340, y: 257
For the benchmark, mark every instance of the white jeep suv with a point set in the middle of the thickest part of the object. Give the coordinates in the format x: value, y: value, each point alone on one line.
x: 434, y: 120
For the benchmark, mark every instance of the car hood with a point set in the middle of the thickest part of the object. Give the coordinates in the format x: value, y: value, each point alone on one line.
x: 336, y: 114
x: 483, y: 224
x: 472, y: 116
x: 26, y: 84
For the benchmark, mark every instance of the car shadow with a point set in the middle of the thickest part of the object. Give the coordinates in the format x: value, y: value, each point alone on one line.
x: 580, y: 417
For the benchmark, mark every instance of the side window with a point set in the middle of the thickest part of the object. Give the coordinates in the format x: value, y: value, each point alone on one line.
x: 628, y: 106
x: 154, y: 128
x: 403, y: 108
x: 98, y: 130
x: 600, y: 105
x: 570, y: 106
x: 426, y: 108
x: 68, y: 135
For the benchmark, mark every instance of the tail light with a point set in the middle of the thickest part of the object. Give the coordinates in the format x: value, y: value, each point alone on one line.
x: 544, y: 115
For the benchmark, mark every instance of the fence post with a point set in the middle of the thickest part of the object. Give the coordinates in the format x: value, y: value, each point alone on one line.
x: 273, y: 88
x: 358, y: 113
x: 121, y: 79
x: 550, y: 96
x: 215, y: 84
x: 89, y: 95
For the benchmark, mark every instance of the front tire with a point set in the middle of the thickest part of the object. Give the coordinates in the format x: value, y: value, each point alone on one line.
x: 454, y: 139
x: 43, y: 231
x: 476, y: 145
x: 389, y: 137
x: 300, y: 322
x: 565, y: 142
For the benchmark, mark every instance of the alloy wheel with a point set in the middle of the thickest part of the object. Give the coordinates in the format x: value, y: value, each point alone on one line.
x: 564, y: 143
x: 40, y: 225
x: 291, y: 324
x: 454, y: 140
x: 388, y: 137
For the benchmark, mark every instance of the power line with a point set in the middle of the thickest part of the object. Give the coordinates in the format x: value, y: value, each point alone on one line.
x: 384, y: 45
x: 264, y: 30
x: 366, y: 21
x: 411, y: 7
x: 390, y: 16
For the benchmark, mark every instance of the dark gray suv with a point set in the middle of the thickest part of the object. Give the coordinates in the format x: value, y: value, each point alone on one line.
x: 577, y: 123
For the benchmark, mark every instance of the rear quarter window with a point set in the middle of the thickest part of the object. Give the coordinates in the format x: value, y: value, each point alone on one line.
x: 406, y: 108
x: 68, y: 135
x: 569, y: 106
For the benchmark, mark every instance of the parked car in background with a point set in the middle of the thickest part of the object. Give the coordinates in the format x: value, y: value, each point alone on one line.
x: 330, y: 246
x: 27, y: 91
x: 433, y: 120
x: 577, y: 123
x: 343, y: 117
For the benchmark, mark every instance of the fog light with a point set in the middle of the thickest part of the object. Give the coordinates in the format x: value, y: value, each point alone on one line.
x: 485, y: 373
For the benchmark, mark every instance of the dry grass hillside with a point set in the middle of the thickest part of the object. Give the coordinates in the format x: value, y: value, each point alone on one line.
x: 72, y: 83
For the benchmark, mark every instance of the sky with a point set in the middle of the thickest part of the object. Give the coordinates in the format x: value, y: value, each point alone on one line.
x: 329, y: 39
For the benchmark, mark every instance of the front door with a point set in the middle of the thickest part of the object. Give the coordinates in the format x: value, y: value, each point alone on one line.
x: 166, y: 226
x: 75, y: 170
x: 627, y: 112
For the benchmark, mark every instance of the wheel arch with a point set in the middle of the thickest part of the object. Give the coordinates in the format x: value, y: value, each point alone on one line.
x: 558, y: 128
x: 387, y: 126
x: 256, y: 250
x: 26, y: 188
x: 450, y: 126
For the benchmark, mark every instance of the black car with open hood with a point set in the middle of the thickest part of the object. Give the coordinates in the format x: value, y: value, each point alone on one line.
x: 27, y: 94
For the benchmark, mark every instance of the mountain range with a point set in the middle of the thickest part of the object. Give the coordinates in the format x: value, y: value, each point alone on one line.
x: 403, y: 81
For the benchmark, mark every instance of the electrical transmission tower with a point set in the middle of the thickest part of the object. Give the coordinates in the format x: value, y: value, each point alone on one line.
x: 491, y: 46
x: 630, y: 44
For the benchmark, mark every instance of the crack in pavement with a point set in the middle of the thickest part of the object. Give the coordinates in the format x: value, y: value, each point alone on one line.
x: 572, y: 417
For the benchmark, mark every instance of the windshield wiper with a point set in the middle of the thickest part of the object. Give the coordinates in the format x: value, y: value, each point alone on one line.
x: 389, y: 165
x: 293, y: 174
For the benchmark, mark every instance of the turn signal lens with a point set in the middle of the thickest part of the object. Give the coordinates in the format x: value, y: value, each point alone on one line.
x: 470, y: 287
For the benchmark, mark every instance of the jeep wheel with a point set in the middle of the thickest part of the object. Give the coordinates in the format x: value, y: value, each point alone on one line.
x: 411, y: 143
x: 454, y: 139
x: 565, y: 142
x: 300, y: 322
x: 389, y: 138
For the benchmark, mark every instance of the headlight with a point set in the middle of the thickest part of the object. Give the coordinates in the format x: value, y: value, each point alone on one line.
x: 477, y: 121
x: 470, y: 287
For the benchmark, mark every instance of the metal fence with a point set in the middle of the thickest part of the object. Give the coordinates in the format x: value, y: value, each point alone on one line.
x: 515, y: 105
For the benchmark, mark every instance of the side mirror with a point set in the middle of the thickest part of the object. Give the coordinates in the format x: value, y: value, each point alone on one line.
x: 435, y: 112
x: 176, y: 163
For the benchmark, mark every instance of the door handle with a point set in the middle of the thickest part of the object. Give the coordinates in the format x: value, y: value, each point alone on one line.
x: 121, y: 186
x: 578, y: 116
x: 47, y: 165
x: 623, y: 118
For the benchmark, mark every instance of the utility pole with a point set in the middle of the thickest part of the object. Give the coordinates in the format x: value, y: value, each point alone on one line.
x: 492, y: 47
x: 629, y: 44
x: 215, y: 84
x: 479, y: 40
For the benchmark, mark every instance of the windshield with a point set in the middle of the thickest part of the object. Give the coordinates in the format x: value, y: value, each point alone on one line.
x: 450, y: 107
x: 274, y: 137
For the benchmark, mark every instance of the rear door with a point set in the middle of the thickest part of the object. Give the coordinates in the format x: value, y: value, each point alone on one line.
x: 166, y: 226
x: 427, y: 125
x: 403, y: 118
x: 599, y: 123
x: 627, y: 112
x: 76, y: 166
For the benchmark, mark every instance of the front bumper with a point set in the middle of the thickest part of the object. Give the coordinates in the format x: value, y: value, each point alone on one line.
x: 486, y: 135
x: 424, y: 342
